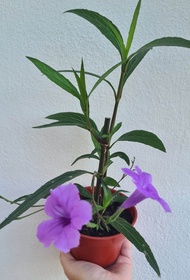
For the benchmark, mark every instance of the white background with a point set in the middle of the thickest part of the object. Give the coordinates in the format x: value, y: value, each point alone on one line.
x: 156, y: 98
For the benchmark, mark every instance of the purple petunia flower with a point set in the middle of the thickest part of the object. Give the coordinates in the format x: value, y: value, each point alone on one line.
x: 145, y: 189
x: 68, y: 214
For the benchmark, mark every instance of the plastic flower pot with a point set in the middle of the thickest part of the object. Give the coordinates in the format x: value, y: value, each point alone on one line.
x: 101, y: 250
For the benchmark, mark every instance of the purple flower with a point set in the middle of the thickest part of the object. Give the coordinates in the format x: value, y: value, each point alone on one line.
x: 145, y: 189
x: 68, y: 214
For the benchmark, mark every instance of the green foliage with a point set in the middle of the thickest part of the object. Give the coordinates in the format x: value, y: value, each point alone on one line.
x: 144, y: 137
x: 107, y: 195
x: 109, y: 181
x: 137, y: 240
x: 115, y: 129
x: 102, y: 196
x: 121, y: 155
x: 55, y: 77
x: 42, y: 192
x: 85, y: 156
x: 70, y: 119
x: 106, y: 27
x: 133, y: 62
x: 83, y: 192
x: 133, y: 27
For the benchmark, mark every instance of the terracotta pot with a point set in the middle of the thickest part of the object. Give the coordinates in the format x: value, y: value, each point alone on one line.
x: 101, y: 250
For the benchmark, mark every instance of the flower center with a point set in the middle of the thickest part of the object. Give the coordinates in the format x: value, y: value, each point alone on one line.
x: 65, y: 221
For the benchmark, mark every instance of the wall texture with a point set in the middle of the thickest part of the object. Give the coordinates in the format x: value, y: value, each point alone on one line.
x: 156, y: 98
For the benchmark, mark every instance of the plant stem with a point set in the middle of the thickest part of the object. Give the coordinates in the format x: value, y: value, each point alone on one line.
x: 104, y: 148
x: 118, y: 96
x: 124, y: 175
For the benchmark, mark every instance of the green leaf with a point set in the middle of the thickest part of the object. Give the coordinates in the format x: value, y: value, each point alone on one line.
x: 133, y: 26
x: 90, y: 74
x: 105, y: 26
x: 83, y: 192
x: 121, y: 155
x: 82, y: 81
x: 82, y: 88
x: 96, y: 145
x: 21, y: 198
x: 102, y: 78
x: 107, y: 197
x: 69, y: 119
x: 42, y: 192
x: 166, y: 42
x: 136, y: 57
x: 133, y: 63
x: 109, y: 181
x: 85, y: 156
x: 144, y: 137
x: 108, y: 163
x: 116, y: 128
x: 92, y: 225
x: 134, y: 237
x: 119, y: 198
x: 96, y: 208
x: 55, y: 77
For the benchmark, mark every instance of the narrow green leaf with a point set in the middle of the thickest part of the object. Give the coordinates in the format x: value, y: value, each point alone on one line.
x: 92, y: 225
x: 77, y: 77
x: 96, y: 208
x: 102, y: 78
x: 108, y: 163
x: 133, y: 26
x: 133, y: 63
x: 82, y: 79
x: 83, y: 192
x: 166, y: 42
x: 107, y: 197
x: 90, y: 74
x: 105, y: 26
x: 136, y: 57
x: 69, y: 119
x: 109, y: 181
x: 21, y: 198
x: 55, y: 77
x: 42, y: 192
x: 96, y: 145
x: 116, y: 128
x: 82, y: 88
x: 138, y: 241
x: 85, y: 156
x: 119, y: 199
x: 121, y: 155
x: 144, y: 137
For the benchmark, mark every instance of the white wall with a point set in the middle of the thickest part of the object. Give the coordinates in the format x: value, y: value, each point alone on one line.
x: 156, y: 98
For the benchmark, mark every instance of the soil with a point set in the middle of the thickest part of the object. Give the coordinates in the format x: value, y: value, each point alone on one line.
x: 103, y: 232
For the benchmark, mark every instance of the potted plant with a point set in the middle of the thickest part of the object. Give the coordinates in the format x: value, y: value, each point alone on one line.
x: 101, y: 209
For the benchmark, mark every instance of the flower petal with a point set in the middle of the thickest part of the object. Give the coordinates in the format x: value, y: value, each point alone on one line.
x: 133, y: 199
x: 139, y: 171
x: 48, y: 231
x: 130, y: 173
x: 81, y: 214
x: 71, y: 197
x: 164, y: 204
x: 145, y: 189
x: 69, y: 213
x: 61, y: 200
x: 68, y: 239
